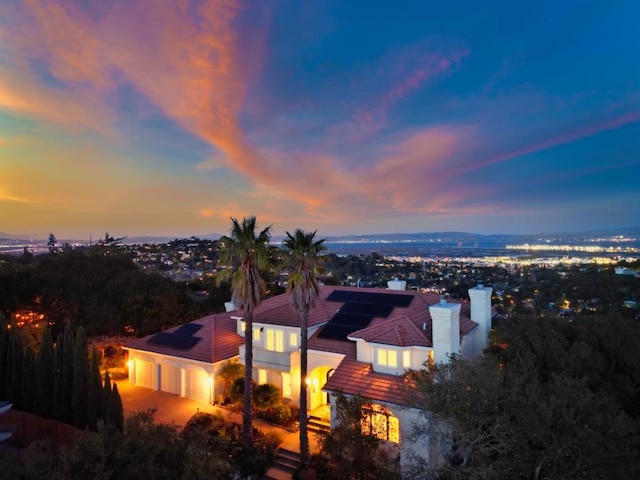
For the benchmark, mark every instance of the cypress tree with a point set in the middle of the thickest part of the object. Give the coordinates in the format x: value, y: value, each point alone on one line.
x: 57, y: 377
x: 80, y: 380
x: 115, y: 410
x: 94, y: 392
x: 4, y: 347
x: 27, y: 381
x: 66, y: 393
x: 14, y: 371
x: 45, y: 375
x: 106, y: 398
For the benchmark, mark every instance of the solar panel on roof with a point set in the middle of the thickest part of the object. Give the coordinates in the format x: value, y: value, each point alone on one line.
x: 188, y: 329
x: 336, y: 332
x: 373, y: 309
x: 351, y: 320
x: 393, y: 299
x: 359, y: 309
x: 175, y: 341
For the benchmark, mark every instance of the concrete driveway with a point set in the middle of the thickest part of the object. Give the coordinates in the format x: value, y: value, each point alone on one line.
x: 178, y: 410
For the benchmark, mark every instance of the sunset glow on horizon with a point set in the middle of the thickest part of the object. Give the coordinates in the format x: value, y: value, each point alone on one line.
x: 167, y: 118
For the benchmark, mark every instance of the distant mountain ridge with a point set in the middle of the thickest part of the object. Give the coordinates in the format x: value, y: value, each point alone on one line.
x: 448, y: 237
x: 466, y: 237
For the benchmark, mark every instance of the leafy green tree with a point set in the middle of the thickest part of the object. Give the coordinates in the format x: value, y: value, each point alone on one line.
x: 541, y: 404
x: 52, y: 243
x: 246, y: 253
x: 266, y: 395
x: 149, y: 450
x: 228, y: 373
x: 303, y: 261
x: 348, y: 453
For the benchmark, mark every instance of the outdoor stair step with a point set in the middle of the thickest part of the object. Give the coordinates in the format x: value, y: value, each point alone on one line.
x: 286, y: 461
x: 316, y: 424
x: 275, y: 474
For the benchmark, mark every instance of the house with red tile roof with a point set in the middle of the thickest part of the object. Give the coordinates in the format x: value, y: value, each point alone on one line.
x: 361, y: 342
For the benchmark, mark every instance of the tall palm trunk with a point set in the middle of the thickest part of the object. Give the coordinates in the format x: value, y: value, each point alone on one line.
x: 247, y: 438
x: 304, y: 434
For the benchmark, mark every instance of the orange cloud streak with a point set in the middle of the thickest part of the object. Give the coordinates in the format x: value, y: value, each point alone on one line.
x: 188, y: 61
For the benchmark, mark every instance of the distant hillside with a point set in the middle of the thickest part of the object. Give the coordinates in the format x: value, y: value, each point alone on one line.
x: 465, y: 238
x: 471, y: 238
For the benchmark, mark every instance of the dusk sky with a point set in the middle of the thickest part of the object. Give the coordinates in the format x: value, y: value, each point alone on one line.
x: 168, y: 117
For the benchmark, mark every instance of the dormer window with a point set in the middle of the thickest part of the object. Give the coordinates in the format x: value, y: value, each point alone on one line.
x: 406, y: 358
x: 388, y: 358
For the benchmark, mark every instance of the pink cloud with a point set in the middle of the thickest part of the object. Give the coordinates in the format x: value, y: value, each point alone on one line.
x: 562, y: 139
x: 21, y: 95
x: 372, y: 117
x: 190, y: 61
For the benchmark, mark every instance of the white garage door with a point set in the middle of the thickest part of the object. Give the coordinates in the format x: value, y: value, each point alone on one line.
x: 145, y: 374
x: 170, y: 379
x: 196, y: 386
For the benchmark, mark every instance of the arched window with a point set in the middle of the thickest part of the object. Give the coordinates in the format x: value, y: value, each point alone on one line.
x: 380, y: 422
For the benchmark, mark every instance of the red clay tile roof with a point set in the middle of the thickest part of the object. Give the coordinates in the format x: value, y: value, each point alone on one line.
x: 400, y: 331
x: 276, y: 311
x: 358, y: 378
x: 218, y: 340
x: 334, y: 346
x: 403, y: 327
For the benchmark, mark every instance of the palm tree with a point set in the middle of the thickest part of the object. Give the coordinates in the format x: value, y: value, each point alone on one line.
x: 246, y: 254
x: 304, y: 262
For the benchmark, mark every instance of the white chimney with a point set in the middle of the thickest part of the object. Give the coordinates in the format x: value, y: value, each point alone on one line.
x: 445, y: 330
x: 396, y: 284
x: 480, y: 297
x: 229, y: 306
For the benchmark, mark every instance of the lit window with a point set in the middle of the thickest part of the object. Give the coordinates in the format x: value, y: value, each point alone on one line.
x: 256, y: 334
x: 382, y: 356
x: 392, y: 358
x: 379, y: 422
x: 275, y: 340
x: 286, y: 385
x: 293, y: 339
x: 262, y: 376
x: 270, y: 339
x: 243, y: 326
x: 406, y: 358
x: 387, y: 357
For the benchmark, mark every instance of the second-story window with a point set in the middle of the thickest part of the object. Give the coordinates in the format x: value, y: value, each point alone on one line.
x: 406, y: 358
x: 256, y: 333
x: 275, y: 340
x: 293, y: 339
x: 387, y: 357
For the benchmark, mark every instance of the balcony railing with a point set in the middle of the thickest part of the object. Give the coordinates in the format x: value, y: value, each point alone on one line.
x: 267, y: 359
